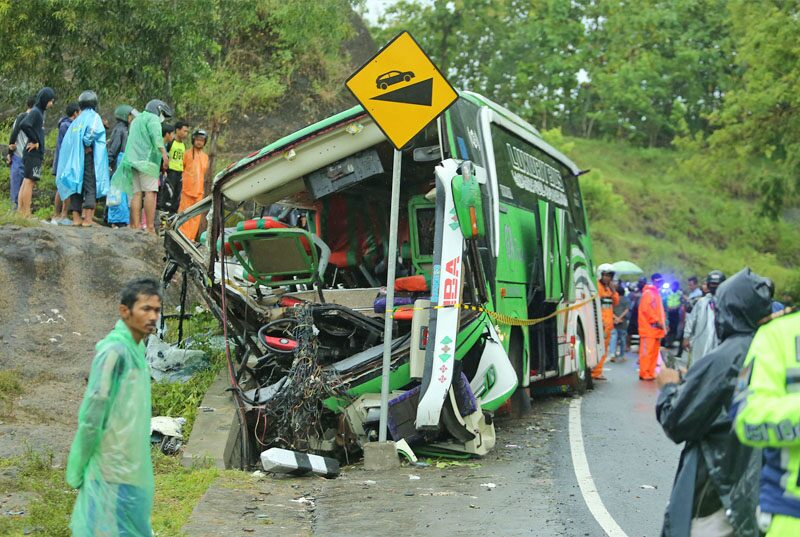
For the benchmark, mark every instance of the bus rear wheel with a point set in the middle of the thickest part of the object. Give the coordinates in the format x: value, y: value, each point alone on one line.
x: 521, y: 398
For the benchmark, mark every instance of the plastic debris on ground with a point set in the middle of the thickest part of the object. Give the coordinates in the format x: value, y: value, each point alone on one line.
x: 168, y: 363
x: 167, y: 432
x: 405, y: 450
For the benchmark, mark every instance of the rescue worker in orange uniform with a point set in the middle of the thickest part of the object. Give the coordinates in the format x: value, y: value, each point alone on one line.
x: 608, y: 299
x: 195, y: 165
x: 652, y: 321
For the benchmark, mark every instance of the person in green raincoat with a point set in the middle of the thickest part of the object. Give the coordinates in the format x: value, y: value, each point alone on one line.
x: 145, y: 154
x: 109, y: 462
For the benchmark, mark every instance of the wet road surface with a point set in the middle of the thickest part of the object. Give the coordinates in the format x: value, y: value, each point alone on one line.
x: 526, y: 486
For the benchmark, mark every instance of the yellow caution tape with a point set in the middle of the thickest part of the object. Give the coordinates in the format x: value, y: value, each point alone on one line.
x: 502, y: 318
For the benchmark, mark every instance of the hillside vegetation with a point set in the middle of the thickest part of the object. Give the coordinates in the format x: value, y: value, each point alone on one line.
x: 648, y: 205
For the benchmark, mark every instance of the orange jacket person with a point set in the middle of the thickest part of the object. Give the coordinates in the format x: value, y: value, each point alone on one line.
x: 651, y: 327
x: 608, y: 299
x: 195, y: 165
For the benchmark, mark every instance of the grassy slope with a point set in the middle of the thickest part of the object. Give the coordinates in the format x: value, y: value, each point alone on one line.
x: 647, y: 206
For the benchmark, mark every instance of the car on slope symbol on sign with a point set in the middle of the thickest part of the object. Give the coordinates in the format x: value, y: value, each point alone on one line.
x: 391, y: 78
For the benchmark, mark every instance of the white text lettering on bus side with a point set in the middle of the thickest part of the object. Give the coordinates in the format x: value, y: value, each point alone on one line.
x: 531, y: 174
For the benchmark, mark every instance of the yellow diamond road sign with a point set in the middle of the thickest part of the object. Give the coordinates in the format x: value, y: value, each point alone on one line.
x: 401, y: 89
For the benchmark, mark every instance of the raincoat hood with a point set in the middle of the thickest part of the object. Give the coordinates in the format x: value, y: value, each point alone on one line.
x: 44, y: 96
x: 742, y: 301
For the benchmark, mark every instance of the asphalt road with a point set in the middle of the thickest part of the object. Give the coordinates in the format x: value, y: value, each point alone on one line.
x: 526, y: 486
x: 631, y: 460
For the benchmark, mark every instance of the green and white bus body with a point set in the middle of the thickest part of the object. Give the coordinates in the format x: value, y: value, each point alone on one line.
x: 538, y: 252
x: 491, y: 220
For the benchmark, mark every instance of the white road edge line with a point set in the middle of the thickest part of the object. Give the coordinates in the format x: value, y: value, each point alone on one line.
x: 584, y: 477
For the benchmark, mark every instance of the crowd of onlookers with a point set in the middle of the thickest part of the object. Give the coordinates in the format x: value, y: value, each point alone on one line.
x: 689, y: 316
x: 733, y: 400
x: 140, y: 165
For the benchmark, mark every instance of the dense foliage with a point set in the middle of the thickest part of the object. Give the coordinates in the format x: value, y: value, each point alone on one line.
x: 212, y: 59
x: 717, y: 76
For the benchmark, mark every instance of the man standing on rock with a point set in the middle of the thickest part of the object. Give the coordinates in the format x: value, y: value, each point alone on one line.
x: 109, y: 462
x: 83, y: 162
x: 195, y: 166
x: 137, y: 174
x: 33, y: 154
x: 16, y: 147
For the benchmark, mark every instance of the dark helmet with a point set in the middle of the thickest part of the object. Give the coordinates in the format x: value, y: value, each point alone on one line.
x: 159, y: 108
x: 123, y: 111
x: 199, y: 133
x: 87, y: 99
x: 715, y: 277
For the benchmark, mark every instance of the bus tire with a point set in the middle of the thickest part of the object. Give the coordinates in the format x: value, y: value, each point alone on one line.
x: 582, y: 378
x: 521, y: 398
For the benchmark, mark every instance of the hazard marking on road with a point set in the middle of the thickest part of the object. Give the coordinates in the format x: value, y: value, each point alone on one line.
x: 401, y: 89
x: 585, y: 481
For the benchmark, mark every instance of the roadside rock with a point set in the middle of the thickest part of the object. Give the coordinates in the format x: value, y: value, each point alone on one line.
x: 59, y: 295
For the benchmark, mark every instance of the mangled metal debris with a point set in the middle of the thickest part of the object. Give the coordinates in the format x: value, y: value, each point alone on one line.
x: 299, y: 286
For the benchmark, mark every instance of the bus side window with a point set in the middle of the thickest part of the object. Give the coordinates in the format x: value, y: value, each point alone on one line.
x: 575, y: 203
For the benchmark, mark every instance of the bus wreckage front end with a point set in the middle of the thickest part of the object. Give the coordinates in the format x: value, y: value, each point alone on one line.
x: 304, y: 296
x: 295, y: 268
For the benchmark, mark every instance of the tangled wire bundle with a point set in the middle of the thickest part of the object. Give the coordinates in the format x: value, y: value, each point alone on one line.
x: 295, y: 414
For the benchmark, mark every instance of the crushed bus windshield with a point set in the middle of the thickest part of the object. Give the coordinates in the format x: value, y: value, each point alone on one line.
x: 491, y: 237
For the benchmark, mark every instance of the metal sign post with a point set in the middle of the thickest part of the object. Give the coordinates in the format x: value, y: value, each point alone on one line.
x: 390, y: 276
x: 402, y: 91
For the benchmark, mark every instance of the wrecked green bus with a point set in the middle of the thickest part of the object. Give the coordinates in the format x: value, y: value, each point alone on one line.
x: 494, y: 291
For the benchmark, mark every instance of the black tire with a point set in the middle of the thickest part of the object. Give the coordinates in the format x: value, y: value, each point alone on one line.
x: 407, y: 78
x: 384, y: 85
x: 582, y: 378
x: 521, y: 398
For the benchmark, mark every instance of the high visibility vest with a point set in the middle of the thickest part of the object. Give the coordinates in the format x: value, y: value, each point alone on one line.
x: 176, y: 151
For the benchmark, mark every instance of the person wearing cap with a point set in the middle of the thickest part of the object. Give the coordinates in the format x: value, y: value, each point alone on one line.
x: 83, y: 162
x: 608, y: 299
x: 195, y: 166
x: 652, y: 321
x: 700, y: 333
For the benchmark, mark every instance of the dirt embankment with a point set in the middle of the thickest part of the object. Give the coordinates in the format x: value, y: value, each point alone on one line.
x: 59, y: 295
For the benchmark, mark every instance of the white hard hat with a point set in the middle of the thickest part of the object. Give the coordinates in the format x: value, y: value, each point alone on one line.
x: 603, y: 269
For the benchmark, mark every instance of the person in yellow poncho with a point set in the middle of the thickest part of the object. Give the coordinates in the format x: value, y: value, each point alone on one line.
x: 195, y: 166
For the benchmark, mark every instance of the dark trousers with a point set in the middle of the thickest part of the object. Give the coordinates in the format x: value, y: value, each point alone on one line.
x: 169, y: 195
x: 87, y: 198
x: 674, y: 320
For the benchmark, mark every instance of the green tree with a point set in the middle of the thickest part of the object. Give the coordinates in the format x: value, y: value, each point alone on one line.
x: 761, y: 117
x: 656, y: 69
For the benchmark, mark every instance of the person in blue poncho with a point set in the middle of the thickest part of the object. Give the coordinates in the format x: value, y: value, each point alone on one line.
x: 61, y: 209
x: 83, y: 174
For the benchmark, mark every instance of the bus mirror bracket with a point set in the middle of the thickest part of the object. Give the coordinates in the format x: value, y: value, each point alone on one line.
x: 468, y: 202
